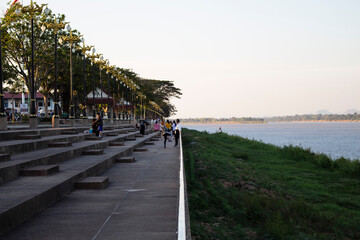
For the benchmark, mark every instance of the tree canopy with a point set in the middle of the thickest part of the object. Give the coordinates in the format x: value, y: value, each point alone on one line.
x: 122, y: 83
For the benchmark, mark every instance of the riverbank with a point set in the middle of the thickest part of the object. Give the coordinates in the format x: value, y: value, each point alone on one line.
x: 244, y: 189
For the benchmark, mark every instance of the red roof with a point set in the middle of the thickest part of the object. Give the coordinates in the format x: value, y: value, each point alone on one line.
x: 18, y: 95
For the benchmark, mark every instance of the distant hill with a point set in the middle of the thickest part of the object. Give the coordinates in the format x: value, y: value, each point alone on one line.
x: 352, y: 111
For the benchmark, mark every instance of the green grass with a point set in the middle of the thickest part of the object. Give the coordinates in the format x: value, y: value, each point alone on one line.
x: 244, y: 189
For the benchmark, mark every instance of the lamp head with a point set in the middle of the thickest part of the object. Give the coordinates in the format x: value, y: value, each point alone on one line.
x: 47, y: 10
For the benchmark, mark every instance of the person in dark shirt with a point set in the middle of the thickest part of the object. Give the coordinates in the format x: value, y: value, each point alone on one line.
x: 99, y: 123
x: 142, y: 123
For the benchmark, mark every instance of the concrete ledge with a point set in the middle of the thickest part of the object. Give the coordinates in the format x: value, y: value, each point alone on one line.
x: 140, y: 150
x: 130, y: 139
x: 92, y: 183
x: 116, y: 144
x: 42, y: 170
x: 28, y: 137
x: 112, y: 134
x: 60, y: 144
x: 93, y: 152
x: 69, y: 132
x: 125, y: 160
x: 92, y: 138
x: 4, y: 157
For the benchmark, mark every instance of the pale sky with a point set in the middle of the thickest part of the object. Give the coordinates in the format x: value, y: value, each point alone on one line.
x: 232, y: 57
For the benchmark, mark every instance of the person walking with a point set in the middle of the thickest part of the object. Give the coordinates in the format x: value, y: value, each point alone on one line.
x: 165, y: 133
x: 177, y: 132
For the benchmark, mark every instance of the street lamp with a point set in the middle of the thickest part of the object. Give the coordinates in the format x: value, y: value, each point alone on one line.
x: 71, y: 40
x: 93, y: 58
x: 55, y: 26
x: 108, y: 69
x: 84, y: 49
x: 101, y: 62
x: 3, y: 118
x: 31, y: 10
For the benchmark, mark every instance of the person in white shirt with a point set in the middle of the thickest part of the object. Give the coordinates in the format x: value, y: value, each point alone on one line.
x: 177, y: 132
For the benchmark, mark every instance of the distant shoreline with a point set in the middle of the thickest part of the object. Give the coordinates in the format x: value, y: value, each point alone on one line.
x: 225, y: 122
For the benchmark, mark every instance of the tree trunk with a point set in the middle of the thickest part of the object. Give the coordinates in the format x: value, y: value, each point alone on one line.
x: 46, y: 105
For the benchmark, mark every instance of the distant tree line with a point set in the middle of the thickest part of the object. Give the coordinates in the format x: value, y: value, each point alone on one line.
x: 223, y: 120
x: 316, y: 117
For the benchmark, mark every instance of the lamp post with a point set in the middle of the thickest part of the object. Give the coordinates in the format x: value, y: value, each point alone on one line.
x: 108, y: 69
x: 83, y: 50
x: 55, y: 26
x: 114, y: 94
x: 71, y: 40
x: 93, y: 58
x: 31, y: 10
x: 101, y: 63
x: 3, y: 118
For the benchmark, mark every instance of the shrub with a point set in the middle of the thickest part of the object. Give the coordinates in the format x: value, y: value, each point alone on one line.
x: 297, y: 153
x: 45, y: 119
x: 323, y: 161
x: 25, y: 118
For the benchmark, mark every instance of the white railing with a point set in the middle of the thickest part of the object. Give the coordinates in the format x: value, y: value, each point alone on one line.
x: 181, y: 211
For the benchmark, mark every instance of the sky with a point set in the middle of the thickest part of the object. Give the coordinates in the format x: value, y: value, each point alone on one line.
x: 231, y: 58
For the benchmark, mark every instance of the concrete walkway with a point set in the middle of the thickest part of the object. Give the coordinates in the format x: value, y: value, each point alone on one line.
x: 140, y: 203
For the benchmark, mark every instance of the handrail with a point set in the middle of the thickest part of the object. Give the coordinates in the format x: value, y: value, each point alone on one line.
x: 181, y: 211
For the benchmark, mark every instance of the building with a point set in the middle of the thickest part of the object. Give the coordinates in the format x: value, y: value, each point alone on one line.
x: 21, y: 101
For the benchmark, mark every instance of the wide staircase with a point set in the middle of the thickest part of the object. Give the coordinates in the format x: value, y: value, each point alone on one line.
x: 39, y: 167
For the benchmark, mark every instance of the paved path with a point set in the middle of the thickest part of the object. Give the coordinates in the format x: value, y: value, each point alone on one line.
x: 140, y: 203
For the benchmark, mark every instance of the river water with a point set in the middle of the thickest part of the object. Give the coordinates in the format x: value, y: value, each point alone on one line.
x: 335, y: 139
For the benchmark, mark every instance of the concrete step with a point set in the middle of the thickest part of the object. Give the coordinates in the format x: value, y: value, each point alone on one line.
x: 26, y: 196
x: 139, y: 135
x: 148, y: 143
x: 69, y: 132
x: 92, y: 183
x: 140, y: 149
x: 42, y: 170
x: 154, y: 139
x: 4, y: 157
x: 125, y: 160
x: 93, y: 138
x: 28, y: 137
x: 60, y: 144
x: 93, y: 152
x: 10, y: 170
x: 130, y: 139
x: 21, y: 146
x: 123, y: 132
x: 116, y: 144
x: 109, y: 128
x: 113, y: 134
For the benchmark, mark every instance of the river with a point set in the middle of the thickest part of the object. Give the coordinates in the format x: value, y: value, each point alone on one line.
x: 335, y: 139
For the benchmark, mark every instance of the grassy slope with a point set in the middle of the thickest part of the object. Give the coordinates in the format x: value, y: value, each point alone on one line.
x: 243, y: 189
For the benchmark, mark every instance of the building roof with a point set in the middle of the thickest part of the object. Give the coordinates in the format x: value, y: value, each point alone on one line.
x: 8, y: 95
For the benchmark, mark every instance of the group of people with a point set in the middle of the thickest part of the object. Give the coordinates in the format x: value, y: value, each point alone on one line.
x: 169, y: 130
